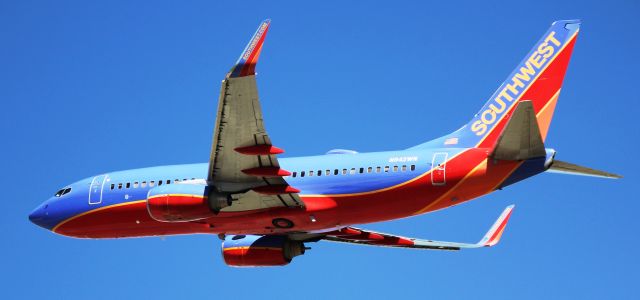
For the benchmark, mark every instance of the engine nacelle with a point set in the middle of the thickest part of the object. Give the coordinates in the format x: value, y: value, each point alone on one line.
x: 260, y: 251
x: 179, y: 203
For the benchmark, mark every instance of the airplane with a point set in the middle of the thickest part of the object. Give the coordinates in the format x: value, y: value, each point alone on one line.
x: 267, y: 208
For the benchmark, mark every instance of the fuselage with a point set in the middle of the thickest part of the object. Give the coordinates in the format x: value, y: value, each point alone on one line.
x: 337, y: 189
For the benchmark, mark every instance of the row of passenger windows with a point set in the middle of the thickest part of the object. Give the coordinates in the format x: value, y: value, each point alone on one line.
x: 386, y: 169
x: 143, y: 184
x: 352, y: 171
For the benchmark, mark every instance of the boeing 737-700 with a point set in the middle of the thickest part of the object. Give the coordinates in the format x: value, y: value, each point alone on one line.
x: 265, y: 208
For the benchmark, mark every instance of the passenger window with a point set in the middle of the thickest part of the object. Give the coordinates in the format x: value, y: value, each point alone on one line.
x: 113, y: 186
x: 386, y: 169
x: 413, y: 167
x: 135, y: 185
x: 176, y: 181
x: 395, y: 168
x: 344, y: 171
x: 328, y: 172
x: 311, y: 173
x: 119, y: 186
x: 152, y: 183
x: 336, y: 171
x: 159, y: 182
x: 369, y: 169
x: 361, y: 170
x: 404, y: 168
x: 168, y: 181
x: 302, y: 174
x: 377, y: 169
x: 144, y: 184
x: 184, y: 179
x: 353, y: 171
x: 128, y: 184
x: 294, y: 174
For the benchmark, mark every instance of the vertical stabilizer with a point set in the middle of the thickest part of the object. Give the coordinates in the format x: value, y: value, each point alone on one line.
x: 538, y: 79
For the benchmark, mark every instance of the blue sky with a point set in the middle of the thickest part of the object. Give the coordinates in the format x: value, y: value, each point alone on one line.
x: 94, y: 87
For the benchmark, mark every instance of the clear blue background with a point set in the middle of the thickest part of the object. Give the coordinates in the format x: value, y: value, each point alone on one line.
x: 92, y: 87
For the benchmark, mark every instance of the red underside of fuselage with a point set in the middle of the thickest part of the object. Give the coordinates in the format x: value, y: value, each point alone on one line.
x: 419, y: 196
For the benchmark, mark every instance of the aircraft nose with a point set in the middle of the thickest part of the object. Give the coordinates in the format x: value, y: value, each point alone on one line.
x: 40, y: 215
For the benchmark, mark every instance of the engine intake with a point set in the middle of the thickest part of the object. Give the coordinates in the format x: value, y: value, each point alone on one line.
x: 260, y: 251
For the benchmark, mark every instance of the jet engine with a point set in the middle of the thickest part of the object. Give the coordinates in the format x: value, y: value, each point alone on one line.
x: 183, y: 202
x: 260, y: 251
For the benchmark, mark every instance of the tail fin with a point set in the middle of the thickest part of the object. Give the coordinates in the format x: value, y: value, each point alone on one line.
x: 538, y: 78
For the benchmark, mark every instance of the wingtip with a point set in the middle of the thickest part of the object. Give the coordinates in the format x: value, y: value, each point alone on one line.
x: 494, y: 234
x: 246, y: 64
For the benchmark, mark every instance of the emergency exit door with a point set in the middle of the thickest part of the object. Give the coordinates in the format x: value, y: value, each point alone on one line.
x: 95, y: 189
x: 439, y: 165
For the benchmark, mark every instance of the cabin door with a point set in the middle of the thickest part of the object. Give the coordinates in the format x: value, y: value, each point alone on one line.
x: 439, y: 165
x: 95, y: 189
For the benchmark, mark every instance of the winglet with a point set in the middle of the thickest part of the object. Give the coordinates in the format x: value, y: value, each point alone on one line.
x: 246, y: 64
x: 493, y: 235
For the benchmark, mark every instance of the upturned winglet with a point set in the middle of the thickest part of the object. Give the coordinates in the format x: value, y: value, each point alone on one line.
x: 493, y: 235
x: 246, y: 64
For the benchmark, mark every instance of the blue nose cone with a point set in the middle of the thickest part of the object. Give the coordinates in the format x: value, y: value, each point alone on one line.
x: 40, y: 216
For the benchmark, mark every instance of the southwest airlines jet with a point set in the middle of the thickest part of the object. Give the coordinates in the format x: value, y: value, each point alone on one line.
x: 265, y: 208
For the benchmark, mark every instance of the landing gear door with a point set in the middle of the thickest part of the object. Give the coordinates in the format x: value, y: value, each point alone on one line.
x: 95, y: 189
x: 439, y: 165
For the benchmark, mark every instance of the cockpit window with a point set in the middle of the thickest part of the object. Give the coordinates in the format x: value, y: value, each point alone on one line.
x: 62, y: 192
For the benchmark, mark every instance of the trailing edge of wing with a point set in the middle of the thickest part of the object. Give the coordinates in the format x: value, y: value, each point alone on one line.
x: 246, y: 64
x: 364, y: 237
x: 567, y: 168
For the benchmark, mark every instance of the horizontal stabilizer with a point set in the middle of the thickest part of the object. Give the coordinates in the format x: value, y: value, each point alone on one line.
x: 566, y: 168
x: 520, y: 139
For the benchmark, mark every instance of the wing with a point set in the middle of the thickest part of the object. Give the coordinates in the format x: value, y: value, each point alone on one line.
x: 372, y: 238
x: 243, y: 161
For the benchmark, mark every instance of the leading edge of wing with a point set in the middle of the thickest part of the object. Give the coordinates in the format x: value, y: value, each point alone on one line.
x: 371, y: 238
x: 246, y: 64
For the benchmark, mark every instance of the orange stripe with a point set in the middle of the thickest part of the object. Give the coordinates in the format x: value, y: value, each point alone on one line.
x: 252, y: 248
x: 546, y: 114
x: 177, y: 195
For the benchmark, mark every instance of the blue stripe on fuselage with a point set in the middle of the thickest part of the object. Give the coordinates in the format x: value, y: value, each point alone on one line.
x: 76, y: 202
x: 358, y: 182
